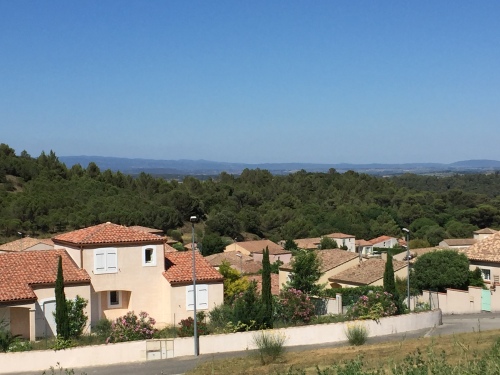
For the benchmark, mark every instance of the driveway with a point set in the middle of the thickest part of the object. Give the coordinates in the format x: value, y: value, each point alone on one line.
x: 174, y: 366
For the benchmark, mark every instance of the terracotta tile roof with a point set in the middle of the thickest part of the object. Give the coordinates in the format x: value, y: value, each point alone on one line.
x: 259, y: 246
x: 366, y: 272
x: 275, y: 284
x: 179, y: 268
x: 245, y: 264
x: 159, y: 232
x: 485, y: 231
x: 308, y: 243
x: 362, y: 243
x: 459, y: 241
x: 415, y: 253
x: 25, y: 243
x: 170, y: 249
x: 22, y: 270
x: 333, y: 258
x: 487, y: 250
x: 107, y: 233
x: 339, y: 235
x: 381, y: 239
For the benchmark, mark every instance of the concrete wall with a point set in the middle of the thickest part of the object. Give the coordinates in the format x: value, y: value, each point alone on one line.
x: 461, y: 301
x: 137, y: 351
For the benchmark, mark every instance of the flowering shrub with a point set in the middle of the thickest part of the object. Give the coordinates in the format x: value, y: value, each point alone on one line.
x: 187, y: 326
x: 131, y: 327
x: 373, y: 306
x: 294, y: 306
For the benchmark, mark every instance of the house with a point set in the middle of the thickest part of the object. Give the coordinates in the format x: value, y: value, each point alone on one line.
x: 481, y: 234
x: 27, y: 290
x: 275, y: 288
x: 179, y: 274
x: 343, y: 239
x: 333, y: 261
x: 245, y: 264
x: 27, y: 243
x: 369, y: 272
x: 457, y: 243
x: 256, y: 248
x: 386, y: 242
x: 127, y: 268
x: 363, y: 247
x: 485, y: 255
x: 308, y: 243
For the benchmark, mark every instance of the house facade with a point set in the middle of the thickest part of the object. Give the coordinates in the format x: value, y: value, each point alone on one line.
x: 386, y: 242
x: 485, y: 255
x: 27, y: 290
x: 343, y: 239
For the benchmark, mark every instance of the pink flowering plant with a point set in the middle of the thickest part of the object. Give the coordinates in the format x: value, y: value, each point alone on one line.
x: 373, y: 305
x: 294, y: 306
x: 131, y: 327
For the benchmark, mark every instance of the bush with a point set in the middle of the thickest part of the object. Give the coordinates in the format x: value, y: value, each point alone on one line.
x: 219, y: 319
x: 351, y: 295
x: 187, y: 326
x: 269, y: 345
x: 77, y: 319
x: 356, y: 334
x: 103, y: 328
x: 374, y: 306
x: 294, y: 306
x: 131, y: 327
x: 6, y: 337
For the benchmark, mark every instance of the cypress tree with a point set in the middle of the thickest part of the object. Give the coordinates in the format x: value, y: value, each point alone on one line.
x: 389, y: 283
x: 62, y: 320
x: 267, y: 298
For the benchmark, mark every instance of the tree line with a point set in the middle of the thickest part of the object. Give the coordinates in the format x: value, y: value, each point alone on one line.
x: 40, y: 196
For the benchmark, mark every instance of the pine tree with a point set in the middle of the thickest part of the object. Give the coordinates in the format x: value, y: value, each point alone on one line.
x: 267, y: 298
x: 62, y: 322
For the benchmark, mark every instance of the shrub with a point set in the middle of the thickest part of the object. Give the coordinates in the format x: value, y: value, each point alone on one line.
x: 294, y: 306
x: 373, y: 306
x: 269, y: 345
x: 76, y: 316
x: 187, y: 326
x: 103, y: 328
x: 219, y: 318
x: 6, y: 337
x: 356, y: 334
x: 131, y: 327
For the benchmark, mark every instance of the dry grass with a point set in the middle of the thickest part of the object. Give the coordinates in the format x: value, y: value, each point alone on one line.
x: 380, y: 355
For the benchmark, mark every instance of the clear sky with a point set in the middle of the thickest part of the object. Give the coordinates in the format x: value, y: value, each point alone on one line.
x: 252, y: 81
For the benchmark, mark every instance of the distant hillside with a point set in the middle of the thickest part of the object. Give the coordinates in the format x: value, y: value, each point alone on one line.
x: 206, y: 167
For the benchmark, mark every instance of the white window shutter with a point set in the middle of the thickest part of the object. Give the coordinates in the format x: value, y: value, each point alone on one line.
x: 189, y: 298
x: 99, y: 261
x: 202, y: 297
x: 111, y: 261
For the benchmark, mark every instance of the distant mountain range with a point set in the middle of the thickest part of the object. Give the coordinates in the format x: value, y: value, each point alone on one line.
x: 209, y: 168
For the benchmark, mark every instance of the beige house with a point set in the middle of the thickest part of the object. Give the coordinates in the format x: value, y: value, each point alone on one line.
x: 365, y: 248
x: 369, y: 272
x: 245, y: 264
x: 457, y: 243
x: 127, y: 268
x: 481, y: 234
x: 333, y: 261
x: 485, y: 255
x: 256, y: 248
x: 27, y: 243
x: 308, y: 243
x: 27, y: 290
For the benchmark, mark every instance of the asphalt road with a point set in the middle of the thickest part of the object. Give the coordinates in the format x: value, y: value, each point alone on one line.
x: 175, y: 366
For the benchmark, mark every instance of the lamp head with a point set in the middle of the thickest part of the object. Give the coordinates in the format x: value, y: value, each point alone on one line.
x: 406, y: 230
x: 193, y: 219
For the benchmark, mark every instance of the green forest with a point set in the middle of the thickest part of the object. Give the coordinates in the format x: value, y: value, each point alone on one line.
x: 40, y: 197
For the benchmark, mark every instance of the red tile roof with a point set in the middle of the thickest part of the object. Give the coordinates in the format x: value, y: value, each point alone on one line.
x: 365, y: 273
x: 339, y: 235
x: 241, y: 262
x: 258, y: 247
x: 381, y: 239
x: 275, y: 285
x: 26, y: 243
x: 179, y: 268
x: 107, y: 233
x: 22, y: 270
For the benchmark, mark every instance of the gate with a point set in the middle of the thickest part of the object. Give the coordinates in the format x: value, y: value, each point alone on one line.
x: 485, y: 300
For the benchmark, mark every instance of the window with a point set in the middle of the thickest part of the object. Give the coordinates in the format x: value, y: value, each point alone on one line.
x: 486, y: 274
x: 149, y: 256
x: 114, y: 299
x: 105, y: 260
x: 201, y: 297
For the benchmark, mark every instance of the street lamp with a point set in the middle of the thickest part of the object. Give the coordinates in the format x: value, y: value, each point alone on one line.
x: 241, y: 266
x: 21, y: 244
x: 408, y: 260
x: 194, y: 219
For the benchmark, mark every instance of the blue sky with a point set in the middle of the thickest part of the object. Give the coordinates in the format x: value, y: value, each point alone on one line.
x: 255, y: 81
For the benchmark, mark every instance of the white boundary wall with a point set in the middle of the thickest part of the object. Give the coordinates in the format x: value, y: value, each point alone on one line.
x: 138, y: 351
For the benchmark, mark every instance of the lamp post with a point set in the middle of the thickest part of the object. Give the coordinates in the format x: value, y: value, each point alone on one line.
x: 408, y: 269
x: 193, y: 220
x: 241, y: 266
x: 21, y: 244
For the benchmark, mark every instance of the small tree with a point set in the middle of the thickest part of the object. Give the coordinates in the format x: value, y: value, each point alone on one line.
x: 62, y: 319
x: 328, y: 243
x: 76, y: 316
x: 290, y: 245
x: 306, y: 271
x: 212, y: 244
x: 234, y: 284
x: 267, y: 298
